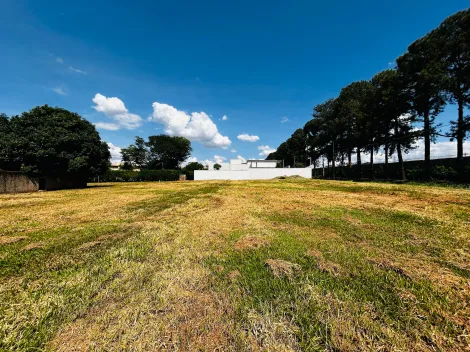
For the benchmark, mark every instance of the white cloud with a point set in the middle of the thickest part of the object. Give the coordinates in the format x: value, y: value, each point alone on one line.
x: 109, y: 126
x: 115, y: 109
x: 59, y: 60
x: 196, y: 127
x: 247, y: 138
x: 233, y: 150
x: 284, y: 119
x: 219, y: 159
x: 76, y: 70
x: 266, y: 150
x: 224, y: 118
x: 115, y: 153
x: 243, y: 160
x: 61, y: 90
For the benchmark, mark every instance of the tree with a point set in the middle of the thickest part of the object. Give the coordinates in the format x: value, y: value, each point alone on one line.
x: 136, y: 155
x: 451, y: 41
x: 6, y: 145
x: 217, y: 166
x: 167, y: 151
x: 56, y: 143
x: 353, y: 106
x: 424, y: 78
x: 190, y: 168
x: 391, y: 105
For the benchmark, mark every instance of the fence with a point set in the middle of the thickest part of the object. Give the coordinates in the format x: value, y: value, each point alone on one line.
x: 17, y: 182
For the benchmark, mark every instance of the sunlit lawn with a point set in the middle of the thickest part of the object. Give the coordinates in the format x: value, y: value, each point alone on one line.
x: 281, y: 265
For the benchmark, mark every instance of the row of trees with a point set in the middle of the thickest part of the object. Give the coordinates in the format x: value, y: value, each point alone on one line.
x: 383, y: 113
x: 52, y: 142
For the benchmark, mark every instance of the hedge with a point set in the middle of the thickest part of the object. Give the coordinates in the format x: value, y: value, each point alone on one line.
x: 143, y: 175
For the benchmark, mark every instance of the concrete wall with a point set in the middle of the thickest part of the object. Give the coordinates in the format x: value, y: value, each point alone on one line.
x: 251, y: 174
x: 266, y: 174
x: 262, y: 164
x: 221, y: 175
x: 17, y: 182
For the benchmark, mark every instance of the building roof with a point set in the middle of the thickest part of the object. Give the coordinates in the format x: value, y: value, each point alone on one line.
x: 262, y: 160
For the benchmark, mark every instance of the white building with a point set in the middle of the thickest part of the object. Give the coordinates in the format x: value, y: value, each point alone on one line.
x: 250, y: 170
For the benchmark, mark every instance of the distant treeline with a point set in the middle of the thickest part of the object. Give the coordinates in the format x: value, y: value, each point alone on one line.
x: 139, y: 176
x: 394, y: 109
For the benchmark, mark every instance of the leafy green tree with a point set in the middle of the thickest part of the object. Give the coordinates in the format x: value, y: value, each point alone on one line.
x: 159, y: 152
x: 167, y: 151
x: 190, y: 168
x: 451, y: 41
x: 136, y: 155
x: 217, y: 166
x: 424, y: 80
x: 55, y: 142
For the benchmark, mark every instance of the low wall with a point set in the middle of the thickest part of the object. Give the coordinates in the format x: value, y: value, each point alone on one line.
x: 251, y: 174
x: 17, y: 182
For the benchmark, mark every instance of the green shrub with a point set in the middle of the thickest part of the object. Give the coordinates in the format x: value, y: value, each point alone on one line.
x: 143, y: 175
x: 440, y: 172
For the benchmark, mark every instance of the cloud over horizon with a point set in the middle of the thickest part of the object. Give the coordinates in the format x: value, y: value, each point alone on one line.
x: 196, y: 127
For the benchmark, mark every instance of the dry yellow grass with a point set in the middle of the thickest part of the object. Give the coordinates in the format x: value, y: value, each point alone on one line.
x: 182, y: 266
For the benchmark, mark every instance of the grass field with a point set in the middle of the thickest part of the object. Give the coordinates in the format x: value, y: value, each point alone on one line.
x: 281, y: 265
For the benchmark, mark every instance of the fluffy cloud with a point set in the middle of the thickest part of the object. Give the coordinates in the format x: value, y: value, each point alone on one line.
x: 76, y: 70
x: 247, y: 138
x: 265, y: 150
x: 191, y: 159
x: 219, y: 159
x: 115, y: 153
x: 196, y: 127
x: 61, y: 90
x: 284, y: 119
x: 233, y: 150
x: 224, y: 118
x: 115, y: 109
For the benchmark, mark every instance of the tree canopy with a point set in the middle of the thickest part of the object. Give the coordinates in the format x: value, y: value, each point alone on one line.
x: 159, y: 152
x: 52, y: 142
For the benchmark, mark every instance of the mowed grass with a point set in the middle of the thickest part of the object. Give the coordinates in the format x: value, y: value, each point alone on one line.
x: 279, y: 265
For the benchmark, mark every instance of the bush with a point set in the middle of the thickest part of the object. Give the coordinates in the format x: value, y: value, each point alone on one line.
x: 138, y: 176
x: 440, y: 172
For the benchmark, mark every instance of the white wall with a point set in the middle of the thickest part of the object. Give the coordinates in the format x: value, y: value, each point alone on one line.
x: 251, y: 174
x: 263, y: 163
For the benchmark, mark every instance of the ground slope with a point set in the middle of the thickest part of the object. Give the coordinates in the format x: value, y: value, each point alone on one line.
x: 281, y: 265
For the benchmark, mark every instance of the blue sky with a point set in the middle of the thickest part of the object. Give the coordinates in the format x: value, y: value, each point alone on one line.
x: 263, y: 65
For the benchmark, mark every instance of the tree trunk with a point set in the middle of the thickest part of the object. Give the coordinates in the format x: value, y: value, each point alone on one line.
x: 359, y: 164
x: 386, y: 162
x: 372, y: 162
x: 401, y: 164
x: 333, y: 162
x: 460, y: 137
x: 427, y: 144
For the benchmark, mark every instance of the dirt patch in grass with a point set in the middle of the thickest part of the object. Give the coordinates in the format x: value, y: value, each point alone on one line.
x: 12, y: 239
x: 282, y: 268
x: 251, y: 242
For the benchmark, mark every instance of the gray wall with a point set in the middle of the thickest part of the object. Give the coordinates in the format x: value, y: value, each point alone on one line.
x: 17, y: 182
